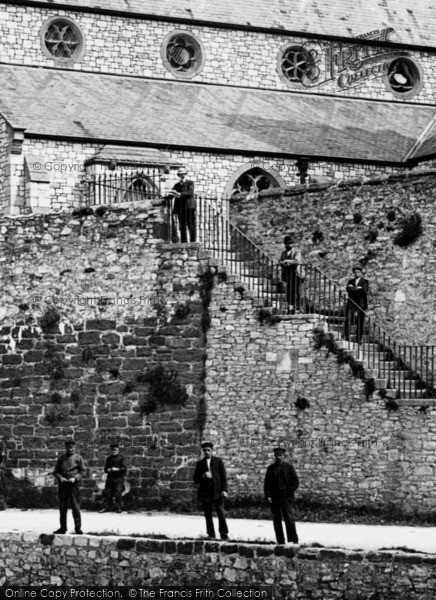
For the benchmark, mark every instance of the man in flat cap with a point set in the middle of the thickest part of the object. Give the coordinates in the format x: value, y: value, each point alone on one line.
x: 116, y: 470
x: 69, y: 471
x: 357, y: 303
x: 281, y: 481
x: 210, y: 473
x: 292, y: 275
x: 184, y: 205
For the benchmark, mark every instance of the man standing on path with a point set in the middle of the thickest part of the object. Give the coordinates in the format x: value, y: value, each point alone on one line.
x: 68, y: 472
x: 210, y: 473
x: 357, y: 303
x: 116, y: 471
x: 281, y: 481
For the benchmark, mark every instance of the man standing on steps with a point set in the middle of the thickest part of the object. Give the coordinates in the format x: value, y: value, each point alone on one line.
x: 116, y: 471
x: 68, y: 472
x: 357, y: 303
x: 290, y: 260
x: 184, y: 206
x: 210, y: 473
x: 281, y: 481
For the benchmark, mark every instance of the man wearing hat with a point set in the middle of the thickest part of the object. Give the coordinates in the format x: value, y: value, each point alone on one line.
x: 184, y: 206
x: 210, y: 473
x: 292, y: 275
x: 68, y: 471
x: 357, y: 303
x: 116, y: 471
x: 281, y: 481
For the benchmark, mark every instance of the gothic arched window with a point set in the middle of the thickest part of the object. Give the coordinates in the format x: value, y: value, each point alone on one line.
x: 253, y: 181
x: 140, y: 188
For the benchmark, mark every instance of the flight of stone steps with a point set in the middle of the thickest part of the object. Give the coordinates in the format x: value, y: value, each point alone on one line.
x: 392, y: 380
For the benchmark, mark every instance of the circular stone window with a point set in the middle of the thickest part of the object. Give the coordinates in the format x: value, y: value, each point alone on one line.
x: 404, y: 78
x: 62, y: 40
x: 182, y: 54
x: 297, y: 64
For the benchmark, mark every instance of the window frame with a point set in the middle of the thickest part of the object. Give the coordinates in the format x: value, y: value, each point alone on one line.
x: 79, y: 52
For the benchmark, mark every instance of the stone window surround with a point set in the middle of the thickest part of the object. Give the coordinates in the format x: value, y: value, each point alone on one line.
x: 419, y: 80
x: 199, y: 46
x: 79, y: 53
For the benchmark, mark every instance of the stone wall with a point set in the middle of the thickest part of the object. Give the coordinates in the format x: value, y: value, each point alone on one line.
x: 129, y: 46
x: 213, y: 173
x: 402, y: 282
x: 345, y: 448
x: 301, y: 573
x: 117, y: 290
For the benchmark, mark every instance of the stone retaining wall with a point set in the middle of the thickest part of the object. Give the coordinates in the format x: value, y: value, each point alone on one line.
x: 345, y: 448
x: 402, y: 282
x: 125, y: 303
x: 300, y: 573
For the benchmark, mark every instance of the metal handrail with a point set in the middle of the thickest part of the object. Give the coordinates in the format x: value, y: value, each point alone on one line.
x: 409, y: 368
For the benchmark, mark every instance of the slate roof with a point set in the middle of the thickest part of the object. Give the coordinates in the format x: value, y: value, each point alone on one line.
x: 159, y: 113
x: 128, y: 155
x: 414, y: 21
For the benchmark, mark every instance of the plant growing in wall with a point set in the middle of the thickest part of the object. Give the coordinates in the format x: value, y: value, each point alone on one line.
x: 50, y: 319
x: 410, y: 230
x: 326, y: 340
x: 206, y: 287
x: 391, y: 405
x: 182, y: 311
x: 317, y: 236
x: 265, y: 316
x: 54, y: 414
x: 164, y: 390
x: 371, y: 236
x: 357, y: 218
x: 302, y: 403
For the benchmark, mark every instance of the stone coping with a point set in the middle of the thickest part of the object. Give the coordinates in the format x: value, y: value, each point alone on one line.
x: 246, y: 549
x: 314, y: 187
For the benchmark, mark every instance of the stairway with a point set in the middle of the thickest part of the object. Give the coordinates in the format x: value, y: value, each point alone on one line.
x: 393, y: 376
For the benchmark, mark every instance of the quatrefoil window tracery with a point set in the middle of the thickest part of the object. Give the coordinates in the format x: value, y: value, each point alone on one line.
x: 182, y: 53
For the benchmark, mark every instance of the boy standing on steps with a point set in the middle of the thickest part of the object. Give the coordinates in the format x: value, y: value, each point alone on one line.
x: 290, y: 260
x: 357, y: 303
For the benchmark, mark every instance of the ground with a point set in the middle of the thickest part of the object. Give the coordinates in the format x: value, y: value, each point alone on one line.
x: 365, y: 537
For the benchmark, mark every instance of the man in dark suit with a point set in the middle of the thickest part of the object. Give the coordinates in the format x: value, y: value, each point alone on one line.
x: 184, y: 206
x: 292, y: 276
x: 210, y: 473
x: 357, y: 303
x: 281, y: 481
x: 116, y: 471
x: 68, y: 472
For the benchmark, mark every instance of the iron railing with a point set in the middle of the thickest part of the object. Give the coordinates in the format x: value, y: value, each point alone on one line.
x: 113, y: 188
x: 304, y: 288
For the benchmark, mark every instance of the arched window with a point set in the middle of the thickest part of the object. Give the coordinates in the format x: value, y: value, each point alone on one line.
x: 141, y: 187
x: 253, y: 181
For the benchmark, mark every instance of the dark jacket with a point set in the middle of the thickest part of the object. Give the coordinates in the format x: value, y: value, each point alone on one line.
x: 281, y: 481
x: 359, y: 293
x: 186, y: 191
x: 69, y: 466
x: 294, y: 254
x: 211, y: 487
x: 115, y: 461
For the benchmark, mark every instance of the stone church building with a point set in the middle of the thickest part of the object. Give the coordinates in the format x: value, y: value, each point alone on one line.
x: 245, y: 95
